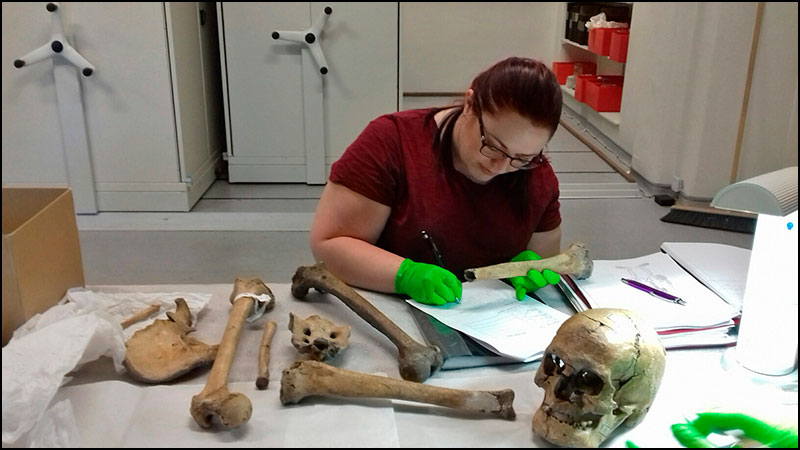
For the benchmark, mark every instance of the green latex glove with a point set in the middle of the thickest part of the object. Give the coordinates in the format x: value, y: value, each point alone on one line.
x: 693, y: 434
x: 426, y: 283
x: 535, y: 279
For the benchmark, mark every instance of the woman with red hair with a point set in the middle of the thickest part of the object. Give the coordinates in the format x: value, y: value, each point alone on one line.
x: 474, y: 177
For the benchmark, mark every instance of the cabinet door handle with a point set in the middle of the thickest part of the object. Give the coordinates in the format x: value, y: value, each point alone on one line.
x: 202, y: 17
x: 311, y: 37
x: 58, y: 45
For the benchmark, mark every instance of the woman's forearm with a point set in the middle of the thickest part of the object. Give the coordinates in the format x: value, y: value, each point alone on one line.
x: 359, y: 263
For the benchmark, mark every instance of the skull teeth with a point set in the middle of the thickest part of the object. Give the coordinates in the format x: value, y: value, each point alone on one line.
x: 585, y: 422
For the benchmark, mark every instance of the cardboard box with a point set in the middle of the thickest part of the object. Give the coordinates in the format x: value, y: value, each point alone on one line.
x: 41, y: 252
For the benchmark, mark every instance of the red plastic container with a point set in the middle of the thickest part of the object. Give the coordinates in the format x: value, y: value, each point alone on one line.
x: 600, y: 40
x: 565, y: 69
x: 580, y: 86
x: 619, y: 45
x: 604, y: 94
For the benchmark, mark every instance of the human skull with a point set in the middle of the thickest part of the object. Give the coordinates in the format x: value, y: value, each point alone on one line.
x: 602, y: 369
x: 318, y: 337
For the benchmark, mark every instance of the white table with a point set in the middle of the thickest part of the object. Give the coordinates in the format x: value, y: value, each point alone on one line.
x: 114, y: 410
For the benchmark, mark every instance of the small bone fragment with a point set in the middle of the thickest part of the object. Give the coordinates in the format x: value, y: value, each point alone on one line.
x: 140, y: 315
x: 307, y: 378
x: 162, y: 351
x: 232, y: 408
x: 263, y: 355
x: 416, y: 361
x: 317, y: 337
x: 573, y: 261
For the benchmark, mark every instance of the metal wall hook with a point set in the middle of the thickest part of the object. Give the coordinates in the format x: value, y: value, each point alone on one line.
x: 58, y: 45
x: 311, y: 37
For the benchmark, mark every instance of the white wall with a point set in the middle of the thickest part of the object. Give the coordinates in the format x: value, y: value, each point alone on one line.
x: 770, y: 135
x: 686, y: 84
x: 684, y: 87
x: 444, y: 45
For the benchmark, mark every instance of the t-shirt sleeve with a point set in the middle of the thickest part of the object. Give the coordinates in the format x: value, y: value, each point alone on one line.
x: 371, y: 165
x: 551, y: 218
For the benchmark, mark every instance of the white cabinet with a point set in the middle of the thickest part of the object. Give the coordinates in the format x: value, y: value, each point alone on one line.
x: 286, y: 122
x: 149, y: 106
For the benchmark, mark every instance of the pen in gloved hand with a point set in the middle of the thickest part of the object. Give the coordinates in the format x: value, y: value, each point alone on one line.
x: 436, y: 254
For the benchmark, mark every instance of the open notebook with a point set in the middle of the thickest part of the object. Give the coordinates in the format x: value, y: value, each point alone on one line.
x: 720, y: 267
x: 706, y: 319
x: 495, y: 327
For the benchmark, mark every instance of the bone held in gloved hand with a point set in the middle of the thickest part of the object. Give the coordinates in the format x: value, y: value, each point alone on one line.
x: 416, y: 361
x: 307, y: 378
x: 574, y: 261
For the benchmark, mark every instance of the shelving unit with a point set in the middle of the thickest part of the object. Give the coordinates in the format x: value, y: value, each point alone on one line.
x: 575, y: 44
x: 605, y: 65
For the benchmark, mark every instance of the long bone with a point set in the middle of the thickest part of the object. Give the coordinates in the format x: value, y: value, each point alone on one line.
x: 416, y: 361
x: 232, y: 408
x: 307, y: 378
x: 140, y: 315
x: 262, y: 381
x: 573, y: 261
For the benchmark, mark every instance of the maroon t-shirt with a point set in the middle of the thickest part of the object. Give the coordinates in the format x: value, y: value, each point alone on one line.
x: 393, y: 162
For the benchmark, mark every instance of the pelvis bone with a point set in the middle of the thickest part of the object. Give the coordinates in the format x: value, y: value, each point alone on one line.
x: 317, y: 337
x: 162, y: 351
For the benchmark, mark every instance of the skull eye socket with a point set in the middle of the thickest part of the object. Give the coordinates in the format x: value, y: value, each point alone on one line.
x: 588, y: 382
x: 553, y: 364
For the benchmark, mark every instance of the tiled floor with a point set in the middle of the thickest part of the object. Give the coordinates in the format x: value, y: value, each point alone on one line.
x: 262, y: 229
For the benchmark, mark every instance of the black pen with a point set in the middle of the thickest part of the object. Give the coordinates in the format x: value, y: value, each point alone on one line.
x: 437, y: 255
x: 434, y: 249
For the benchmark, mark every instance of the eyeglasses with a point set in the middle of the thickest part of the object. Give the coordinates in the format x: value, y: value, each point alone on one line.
x: 490, y: 151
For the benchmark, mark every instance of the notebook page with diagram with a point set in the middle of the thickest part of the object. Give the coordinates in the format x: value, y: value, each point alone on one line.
x: 703, y: 309
x: 490, y: 313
